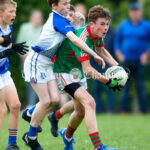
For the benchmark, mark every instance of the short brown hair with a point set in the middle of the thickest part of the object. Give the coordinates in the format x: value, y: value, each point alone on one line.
x: 50, y: 2
x: 98, y: 12
x: 4, y: 2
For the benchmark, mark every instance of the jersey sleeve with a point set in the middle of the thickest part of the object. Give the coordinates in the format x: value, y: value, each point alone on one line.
x: 80, y: 55
x: 61, y: 24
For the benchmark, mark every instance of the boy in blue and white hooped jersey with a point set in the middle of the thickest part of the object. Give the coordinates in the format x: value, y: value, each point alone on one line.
x: 8, y: 93
x: 38, y: 66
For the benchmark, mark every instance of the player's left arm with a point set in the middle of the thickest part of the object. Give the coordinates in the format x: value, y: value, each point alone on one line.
x: 106, y: 56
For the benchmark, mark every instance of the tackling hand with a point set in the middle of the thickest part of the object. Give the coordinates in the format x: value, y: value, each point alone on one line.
x: 7, y: 39
x: 21, y: 48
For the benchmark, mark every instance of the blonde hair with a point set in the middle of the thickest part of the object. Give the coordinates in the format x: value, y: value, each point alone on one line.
x: 4, y: 2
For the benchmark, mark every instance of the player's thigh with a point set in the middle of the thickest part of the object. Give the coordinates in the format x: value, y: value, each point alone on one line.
x: 53, y: 91
x: 3, y: 106
x: 41, y: 90
x: 84, y: 97
x: 11, y: 97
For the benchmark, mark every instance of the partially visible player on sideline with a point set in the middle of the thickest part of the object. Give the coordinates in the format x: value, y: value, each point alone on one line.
x: 8, y: 93
x: 38, y: 66
x: 70, y: 57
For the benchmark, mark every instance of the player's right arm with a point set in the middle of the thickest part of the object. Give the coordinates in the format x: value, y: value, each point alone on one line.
x: 91, y: 72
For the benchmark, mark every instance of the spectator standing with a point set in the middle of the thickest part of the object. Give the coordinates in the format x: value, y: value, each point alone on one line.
x: 131, y: 48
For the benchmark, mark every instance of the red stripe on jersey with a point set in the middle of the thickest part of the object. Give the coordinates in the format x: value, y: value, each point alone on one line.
x: 63, y: 79
x: 83, y: 35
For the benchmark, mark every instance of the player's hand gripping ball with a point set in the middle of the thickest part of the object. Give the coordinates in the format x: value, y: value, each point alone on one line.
x: 117, y: 72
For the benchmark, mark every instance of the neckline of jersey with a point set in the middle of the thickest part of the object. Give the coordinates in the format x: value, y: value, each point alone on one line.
x: 90, y: 34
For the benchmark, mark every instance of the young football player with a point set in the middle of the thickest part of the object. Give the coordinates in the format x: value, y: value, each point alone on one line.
x: 38, y: 66
x: 70, y: 59
x: 8, y: 93
x: 74, y: 19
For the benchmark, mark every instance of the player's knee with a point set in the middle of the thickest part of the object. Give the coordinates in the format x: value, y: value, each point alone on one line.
x: 55, y: 99
x: 45, y: 103
x: 15, y: 107
x: 3, y: 111
x: 91, y: 104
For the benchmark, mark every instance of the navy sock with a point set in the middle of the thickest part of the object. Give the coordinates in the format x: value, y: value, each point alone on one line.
x: 32, y: 132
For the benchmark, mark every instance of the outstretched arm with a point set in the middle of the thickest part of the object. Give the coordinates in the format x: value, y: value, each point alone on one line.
x: 106, y: 56
x: 20, y: 48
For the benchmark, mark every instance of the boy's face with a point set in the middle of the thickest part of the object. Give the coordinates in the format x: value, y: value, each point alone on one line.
x: 8, y: 15
x: 70, y: 16
x: 62, y: 7
x: 100, y: 27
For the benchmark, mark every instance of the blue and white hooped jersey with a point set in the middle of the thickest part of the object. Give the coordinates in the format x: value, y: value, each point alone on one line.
x: 4, y: 63
x: 52, y: 35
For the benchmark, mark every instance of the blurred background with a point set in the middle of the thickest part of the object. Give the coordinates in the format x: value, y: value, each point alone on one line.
x: 119, y: 11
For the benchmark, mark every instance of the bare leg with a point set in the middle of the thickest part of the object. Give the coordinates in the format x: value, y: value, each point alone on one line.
x: 89, y: 106
x: 48, y: 96
x: 3, y: 108
x: 14, y: 105
x: 68, y: 107
x: 77, y: 116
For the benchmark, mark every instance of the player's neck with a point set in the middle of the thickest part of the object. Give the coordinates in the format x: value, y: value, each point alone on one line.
x: 95, y: 36
x: 3, y: 25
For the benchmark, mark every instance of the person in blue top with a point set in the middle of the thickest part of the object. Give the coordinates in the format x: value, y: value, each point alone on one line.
x: 132, y: 50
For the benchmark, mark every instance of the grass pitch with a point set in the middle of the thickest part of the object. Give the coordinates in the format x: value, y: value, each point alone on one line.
x: 125, y: 132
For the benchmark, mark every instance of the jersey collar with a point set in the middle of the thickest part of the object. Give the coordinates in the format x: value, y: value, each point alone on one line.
x: 1, y: 30
x: 90, y: 34
x: 57, y: 13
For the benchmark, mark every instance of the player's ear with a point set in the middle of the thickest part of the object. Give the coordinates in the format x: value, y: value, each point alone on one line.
x: 91, y: 24
x: 54, y: 6
x: 1, y: 13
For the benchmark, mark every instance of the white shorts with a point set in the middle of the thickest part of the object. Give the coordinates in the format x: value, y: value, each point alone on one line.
x: 39, y: 68
x: 64, y: 79
x: 5, y: 80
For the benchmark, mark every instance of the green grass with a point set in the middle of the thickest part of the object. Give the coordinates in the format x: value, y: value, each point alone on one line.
x: 125, y: 132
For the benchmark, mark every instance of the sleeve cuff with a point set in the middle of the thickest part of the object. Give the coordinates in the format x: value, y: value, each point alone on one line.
x: 84, y: 58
